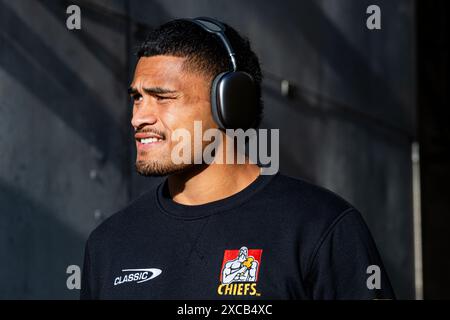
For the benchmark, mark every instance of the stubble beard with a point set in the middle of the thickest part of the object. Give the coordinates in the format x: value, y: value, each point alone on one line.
x: 160, y: 168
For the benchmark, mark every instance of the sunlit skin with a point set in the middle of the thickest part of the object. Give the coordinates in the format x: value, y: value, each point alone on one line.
x: 167, y: 96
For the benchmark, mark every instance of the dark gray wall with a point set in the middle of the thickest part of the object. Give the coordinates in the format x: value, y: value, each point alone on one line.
x: 348, y: 126
x: 64, y: 148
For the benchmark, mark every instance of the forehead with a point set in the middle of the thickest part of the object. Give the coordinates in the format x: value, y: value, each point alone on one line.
x: 158, y: 70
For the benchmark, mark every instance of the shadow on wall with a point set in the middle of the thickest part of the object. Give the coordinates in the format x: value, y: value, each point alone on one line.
x: 337, y: 52
x: 35, y: 249
x: 103, y: 55
x: 35, y: 245
x: 35, y: 65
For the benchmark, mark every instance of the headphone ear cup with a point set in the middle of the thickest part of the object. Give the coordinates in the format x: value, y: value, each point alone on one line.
x: 234, y: 101
x: 215, y: 102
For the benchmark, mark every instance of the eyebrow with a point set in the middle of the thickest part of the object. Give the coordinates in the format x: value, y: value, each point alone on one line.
x: 152, y: 90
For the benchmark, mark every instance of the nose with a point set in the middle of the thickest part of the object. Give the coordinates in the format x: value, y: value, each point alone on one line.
x: 142, y: 116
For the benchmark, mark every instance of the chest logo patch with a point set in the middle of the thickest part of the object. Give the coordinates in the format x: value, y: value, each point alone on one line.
x: 239, y: 272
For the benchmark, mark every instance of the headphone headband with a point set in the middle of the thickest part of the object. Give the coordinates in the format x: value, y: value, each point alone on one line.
x: 216, y: 27
x: 234, y: 99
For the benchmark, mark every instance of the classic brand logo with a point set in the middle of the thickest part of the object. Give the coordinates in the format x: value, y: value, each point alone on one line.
x: 239, y: 273
x: 137, y: 275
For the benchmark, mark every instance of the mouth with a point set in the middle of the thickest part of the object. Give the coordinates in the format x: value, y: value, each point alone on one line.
x: 145, y: 140
x: 148, y: 140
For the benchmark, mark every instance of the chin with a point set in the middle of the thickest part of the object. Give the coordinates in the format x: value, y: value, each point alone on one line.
x: 158, y: 169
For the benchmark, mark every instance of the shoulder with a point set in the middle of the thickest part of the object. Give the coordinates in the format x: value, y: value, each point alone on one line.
x: 308, y: 199
x: 308, y: 212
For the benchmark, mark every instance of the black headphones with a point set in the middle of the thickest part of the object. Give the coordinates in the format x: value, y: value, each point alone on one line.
x: 234, y: 103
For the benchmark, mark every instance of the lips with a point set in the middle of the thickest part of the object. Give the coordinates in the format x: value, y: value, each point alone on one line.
x: 148, y: 136
x: 147, y: 139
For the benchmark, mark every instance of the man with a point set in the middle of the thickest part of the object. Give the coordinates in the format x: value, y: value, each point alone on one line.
x: 212, y: 230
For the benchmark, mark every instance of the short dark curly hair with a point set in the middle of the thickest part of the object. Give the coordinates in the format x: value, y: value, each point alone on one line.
x: 204, y: 52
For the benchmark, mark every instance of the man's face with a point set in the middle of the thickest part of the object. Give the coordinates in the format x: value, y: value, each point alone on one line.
x: 166, y: 97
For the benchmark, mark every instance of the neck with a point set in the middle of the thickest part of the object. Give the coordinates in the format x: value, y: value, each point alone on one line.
x: 208, y: 183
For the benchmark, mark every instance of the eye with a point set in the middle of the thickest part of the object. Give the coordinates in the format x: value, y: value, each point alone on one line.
x: 164, y: 99
x: 137, y: 98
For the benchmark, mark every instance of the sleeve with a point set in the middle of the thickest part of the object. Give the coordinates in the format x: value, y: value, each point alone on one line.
x: 346, y: 264
x: 86, y: 277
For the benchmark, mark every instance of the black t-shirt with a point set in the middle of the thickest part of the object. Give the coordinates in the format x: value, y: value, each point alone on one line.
x: 279, y: 238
